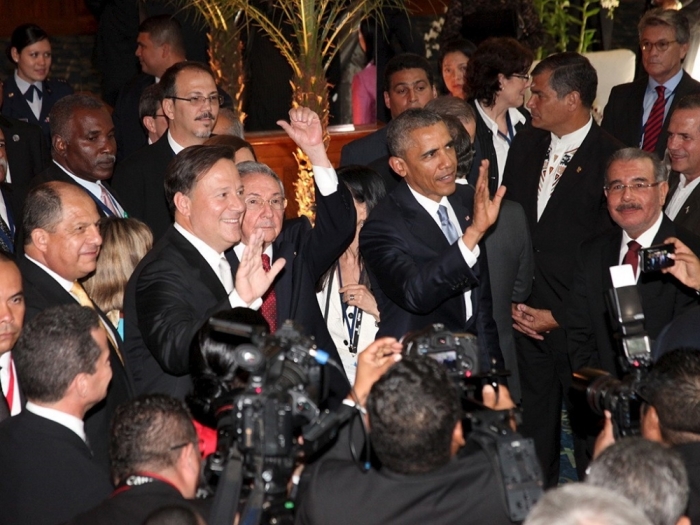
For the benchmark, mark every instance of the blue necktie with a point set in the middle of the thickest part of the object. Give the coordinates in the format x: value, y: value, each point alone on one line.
x: 446, y: 224
x: 29, y: 94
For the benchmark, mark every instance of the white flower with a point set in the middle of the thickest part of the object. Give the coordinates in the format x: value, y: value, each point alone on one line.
x: 609, y: 4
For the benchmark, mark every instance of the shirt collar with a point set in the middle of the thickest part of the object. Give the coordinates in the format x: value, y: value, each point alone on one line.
x: 646, y: 239
x: 65, y: 283
x: 210, y: 254
x: 575, y: 138
x: 428, y: 204
x: 238, y: 250
x: 515, y: 117
x: 62, y: 418
x: 93, y: 187
x: 174, y: 145
x: 684, y: 184
x: 23, y: 85
x: 671, y: 84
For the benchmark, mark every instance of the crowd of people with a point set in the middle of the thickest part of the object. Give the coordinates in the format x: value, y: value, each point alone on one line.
x: 481, y: 211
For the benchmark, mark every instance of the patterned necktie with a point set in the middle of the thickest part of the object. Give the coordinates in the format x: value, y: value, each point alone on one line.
x: 84, y: 299
x: 652, y: 129
x: 106, y: 199
x: 6, y: 231
x: 632, y: 255
x: 269, y: 306
x: 225, y: 274
x: 446, y: 224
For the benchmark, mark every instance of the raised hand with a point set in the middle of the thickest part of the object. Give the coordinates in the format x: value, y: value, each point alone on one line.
x: 485, y: 209
x: 252, y: 281
x: 687, y: 266
x: 305, y: 129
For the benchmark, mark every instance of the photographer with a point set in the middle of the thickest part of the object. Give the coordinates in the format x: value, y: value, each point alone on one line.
x: 428, y: 474
x: 671, y: 415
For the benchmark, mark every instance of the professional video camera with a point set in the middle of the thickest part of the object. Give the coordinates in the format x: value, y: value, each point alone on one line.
x: 622, y: 398
x: 258, y: 425
x: 513, y: 456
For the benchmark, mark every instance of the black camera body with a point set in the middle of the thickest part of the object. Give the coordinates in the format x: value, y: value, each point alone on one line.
x: 458, y: 353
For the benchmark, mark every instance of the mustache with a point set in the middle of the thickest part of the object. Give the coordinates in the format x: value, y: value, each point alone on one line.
x: 206, y: 114
x: 628, y: 206
x: 106, y: 157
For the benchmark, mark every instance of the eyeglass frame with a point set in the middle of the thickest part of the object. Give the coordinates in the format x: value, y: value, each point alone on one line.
x: 658, y: 45
x: 522, y: 76
x: 201, y: 98
x: 637, y: 186
x: 264, y: 202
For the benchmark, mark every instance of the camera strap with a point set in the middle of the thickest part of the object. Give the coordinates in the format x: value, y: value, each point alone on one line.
x: 228, y: 492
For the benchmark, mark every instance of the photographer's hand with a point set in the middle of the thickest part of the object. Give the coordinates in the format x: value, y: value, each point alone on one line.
x: 376, y: 359
x: 500, y: 400
x: 606, y: 437
x: 687, y: 267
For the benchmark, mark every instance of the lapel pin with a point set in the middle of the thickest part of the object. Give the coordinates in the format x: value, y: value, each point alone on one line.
x: 687, y: 210
x: 10, y: 94
x: 15, y: 138
x: 578, y: 170
x: 467, y: 218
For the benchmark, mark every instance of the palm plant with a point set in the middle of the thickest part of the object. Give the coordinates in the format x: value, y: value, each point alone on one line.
x: 319, y: 28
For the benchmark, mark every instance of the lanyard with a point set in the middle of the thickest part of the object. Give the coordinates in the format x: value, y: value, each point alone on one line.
x: 352, y: 320
x: 511, y: 132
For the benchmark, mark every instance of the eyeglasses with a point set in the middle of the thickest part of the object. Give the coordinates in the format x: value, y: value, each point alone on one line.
x: 200, y: 100
x: 636, y: 187
x: 157, y: 115
x: 661, y: 45
x: 521, y: 75
x: 256, y: 203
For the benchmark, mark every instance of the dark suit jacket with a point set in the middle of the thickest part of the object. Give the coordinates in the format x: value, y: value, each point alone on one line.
x: 170, y: 295
x: 139, y: 180
x: 27, y: 156
x: 6, y: 192
x: 132, y: 505
x: 589, y: 331
x: 418, y: 278
x: 48, y: 473
x: 689, y: 215
x: 16, y: 106
x: 41, y: 291
x: 623, y: 113
x: 365, y: 150
x: 576, y: 210
x: 55, y: 173
x: 690, y: 453
x: 309, y: 252
x: 484, y: 149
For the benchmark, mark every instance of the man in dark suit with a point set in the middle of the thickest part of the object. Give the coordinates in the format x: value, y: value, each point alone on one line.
x: 186, y: 278
x: 683, y: 200
x: 83, y: 151
x: 49, y: 473
x: 11, y: 319
x: 630, y: 114
x: 61, y: 246
x: 428, y: 475
x: 191, y: 103
x: 408, y: 83
x: 309, y: 252
x: 421, y: 243
x: 8, y: 228
x: 637, y: 212
x: 155, y: 462
x: 555, y: 170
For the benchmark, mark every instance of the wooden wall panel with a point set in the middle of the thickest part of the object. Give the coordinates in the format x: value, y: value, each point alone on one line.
x: 56, y: 17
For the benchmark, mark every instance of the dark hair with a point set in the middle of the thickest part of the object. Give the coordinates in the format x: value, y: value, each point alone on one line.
x: 459, y: 45
x: 53, y: 349
x: 368, y: 28
x: 366, y: 187
x: 230, y: 141
x: 148, y: 434
x: 406, y: 61
x: 188, y: 167
x: 462, y: 145
x: 691, y: 101
x: 173, y: 515
x: 672, y: 18
x: 630, y: 154
x: 213, y: 365
x: 42, y: 209
x: 570, y: 72
x: 494, y: 56
x: 673, y: 389
x: 169, y: 79
x: 413, y: 409
x: 23, y: 36
x: 447, y: 105
x: 164, y: 29
x: 150, y: 101
x: 398, y: 135
x: 63, y: 112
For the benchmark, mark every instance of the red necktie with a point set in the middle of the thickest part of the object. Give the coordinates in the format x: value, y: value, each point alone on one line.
x: 652, y: 129
x: 632, y: 255
x: 269, y: 306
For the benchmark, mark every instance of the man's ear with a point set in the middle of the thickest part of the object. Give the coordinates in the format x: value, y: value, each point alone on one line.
x: 573, y: 100
x: 182, y: 203
x: 40, y: 239
x: 651, y: 428
x: 398, y: 165
x: 387, y: 100
x: 59, y: 145
x: 168, y: 108
x: 457, y: 438
x: 149, y: 123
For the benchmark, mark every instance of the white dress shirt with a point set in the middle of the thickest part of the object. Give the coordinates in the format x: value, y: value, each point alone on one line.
x: 6, y: 362
x: 35, y: 104
x: 645, y: 240
x: 470, y: 257
x: 95, y: 189
x: 683, y: 191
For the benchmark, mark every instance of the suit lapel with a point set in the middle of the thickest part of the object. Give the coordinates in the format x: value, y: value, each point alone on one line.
x: 199, y: 268
x: 284, y: 282
x: 418, y: 221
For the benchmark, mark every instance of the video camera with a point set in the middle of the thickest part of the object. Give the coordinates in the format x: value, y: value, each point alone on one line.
x: 513, y: 456
x: 622, y: 398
